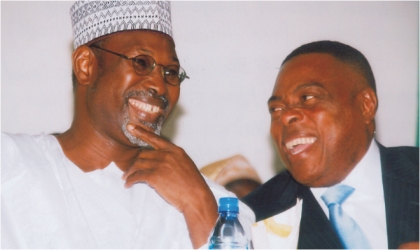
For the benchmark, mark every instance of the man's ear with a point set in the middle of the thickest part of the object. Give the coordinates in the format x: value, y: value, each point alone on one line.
x: 84, y: 65
x: 368, y: 104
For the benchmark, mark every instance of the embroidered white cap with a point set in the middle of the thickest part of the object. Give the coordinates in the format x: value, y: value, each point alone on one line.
x: 93, y: 19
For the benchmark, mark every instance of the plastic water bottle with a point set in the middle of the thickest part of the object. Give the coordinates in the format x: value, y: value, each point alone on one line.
x: 228, y: 232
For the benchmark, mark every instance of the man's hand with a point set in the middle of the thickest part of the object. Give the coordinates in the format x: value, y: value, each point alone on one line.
x: 172, y: 173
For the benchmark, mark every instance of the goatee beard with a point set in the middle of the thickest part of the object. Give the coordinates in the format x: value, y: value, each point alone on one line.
x: 157, y: 128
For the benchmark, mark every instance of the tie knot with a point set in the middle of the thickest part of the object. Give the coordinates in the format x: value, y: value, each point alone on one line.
x: 337, y: 194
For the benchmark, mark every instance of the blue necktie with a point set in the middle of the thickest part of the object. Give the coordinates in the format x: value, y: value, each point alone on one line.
x: 350, y: 234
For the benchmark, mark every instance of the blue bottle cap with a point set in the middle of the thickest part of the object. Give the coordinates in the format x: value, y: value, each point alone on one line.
x: 228, y: 204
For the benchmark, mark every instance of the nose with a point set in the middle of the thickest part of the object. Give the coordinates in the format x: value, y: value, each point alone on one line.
x: 291, y: 115
x: 156, y: 84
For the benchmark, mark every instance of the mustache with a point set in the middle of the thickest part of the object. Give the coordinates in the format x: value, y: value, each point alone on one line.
x: 149, y: 94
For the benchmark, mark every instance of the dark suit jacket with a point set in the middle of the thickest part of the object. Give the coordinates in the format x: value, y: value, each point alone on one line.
x: 400, y: 173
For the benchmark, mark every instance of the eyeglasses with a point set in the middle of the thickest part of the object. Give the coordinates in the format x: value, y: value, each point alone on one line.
x: 144, y: 64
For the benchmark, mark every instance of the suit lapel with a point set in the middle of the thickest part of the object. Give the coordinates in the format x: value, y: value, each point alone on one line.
x: 279, y: 194
x: 275, y: 196
x: 400, y: 168
x: 315, y: 228
x: 400, y: 182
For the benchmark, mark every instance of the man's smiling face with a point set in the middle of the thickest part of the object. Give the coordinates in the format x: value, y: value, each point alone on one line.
x: 120, y: 96
x: 317, y: 119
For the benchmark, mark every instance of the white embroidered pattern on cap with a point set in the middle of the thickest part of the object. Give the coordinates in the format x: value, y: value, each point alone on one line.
x: 93, y: 19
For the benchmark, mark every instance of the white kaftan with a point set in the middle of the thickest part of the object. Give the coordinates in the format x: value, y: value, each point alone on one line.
x: 48, y: 202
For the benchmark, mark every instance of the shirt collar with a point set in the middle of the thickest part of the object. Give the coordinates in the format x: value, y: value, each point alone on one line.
x: 366, y: 177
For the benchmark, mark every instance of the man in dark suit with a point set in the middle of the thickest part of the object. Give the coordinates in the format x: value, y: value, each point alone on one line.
x: 322, y: 120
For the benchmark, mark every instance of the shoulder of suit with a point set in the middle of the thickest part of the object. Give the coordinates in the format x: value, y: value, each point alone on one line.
x: 276, y: 195
x: 263, y: 192
x: 400, y: 163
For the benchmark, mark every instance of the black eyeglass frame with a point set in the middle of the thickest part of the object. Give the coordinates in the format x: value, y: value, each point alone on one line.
x: 181, y: 76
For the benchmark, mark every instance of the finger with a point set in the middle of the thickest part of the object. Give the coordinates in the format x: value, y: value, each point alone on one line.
x: 139, y: 176
x: 147, y: 176
x: 152, y: 139
x: 139, y: 165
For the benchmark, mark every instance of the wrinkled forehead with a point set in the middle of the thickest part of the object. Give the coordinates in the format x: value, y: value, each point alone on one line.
x: 114, y: 37
x: 319, y: 62
x: 137, y: 38
x: 317, y: 68
x: 134, y: 43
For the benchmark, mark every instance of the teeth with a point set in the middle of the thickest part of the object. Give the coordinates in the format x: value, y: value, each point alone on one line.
x: 298, y: 141
x: 144, y: 106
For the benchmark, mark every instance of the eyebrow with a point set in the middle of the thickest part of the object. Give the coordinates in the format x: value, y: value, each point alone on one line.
x: 148, y: 52
x: 306, y: 85
x: 273, y: 98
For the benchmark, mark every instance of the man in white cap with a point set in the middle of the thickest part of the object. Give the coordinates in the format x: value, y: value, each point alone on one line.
x: 76, y: 189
